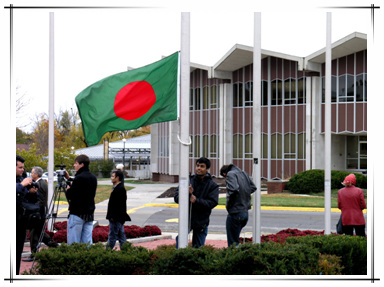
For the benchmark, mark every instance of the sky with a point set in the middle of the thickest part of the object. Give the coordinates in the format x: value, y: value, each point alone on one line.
x: 91, y: 44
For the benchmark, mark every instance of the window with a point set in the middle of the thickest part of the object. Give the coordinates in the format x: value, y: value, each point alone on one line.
x: 205, y: 98
x: 248, y: 99
x: 276, y: 92
x: 289, y: 145
x: 301, y: 91
x: 265, y: 145
x: 264, y: 93
x: 238, y: 146
x: 238, y: 95
x: 290, y: 91
x: 248, y: 146
x: 213, y: 151
x: 214, y: 98
x: 276, y: 146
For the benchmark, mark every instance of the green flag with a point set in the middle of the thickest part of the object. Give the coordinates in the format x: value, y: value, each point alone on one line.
x: 130, y: 100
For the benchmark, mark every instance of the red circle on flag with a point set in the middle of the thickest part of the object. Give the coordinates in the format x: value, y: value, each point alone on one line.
x: 134, y: 100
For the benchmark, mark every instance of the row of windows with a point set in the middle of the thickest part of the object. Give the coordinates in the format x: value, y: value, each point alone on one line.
x: 347, y: 88
x: 206, y: 146
x: 280, y: 146
x: 288, y: 92
x: 210, y: 99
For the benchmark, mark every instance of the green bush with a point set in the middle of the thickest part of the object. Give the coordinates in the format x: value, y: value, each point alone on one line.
x: 269, y: 258
x: 83, y: 259
x: 351, y: 249
x: 307, y: 255
x: 312, y: 181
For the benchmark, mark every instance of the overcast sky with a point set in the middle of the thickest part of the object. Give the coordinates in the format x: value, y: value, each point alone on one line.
x: 91, y: 44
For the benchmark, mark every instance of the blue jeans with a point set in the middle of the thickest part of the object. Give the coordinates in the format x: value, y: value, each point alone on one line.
x: 198, y: 237
x: 234, y: 225
x: 116, y: 232
x: 79, y: 230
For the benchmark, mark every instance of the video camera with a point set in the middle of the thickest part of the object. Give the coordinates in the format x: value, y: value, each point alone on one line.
x: 61, y: 175
x: 33, y: 184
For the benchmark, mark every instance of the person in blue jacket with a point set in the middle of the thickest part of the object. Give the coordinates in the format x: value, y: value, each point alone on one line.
x: 203, y: 197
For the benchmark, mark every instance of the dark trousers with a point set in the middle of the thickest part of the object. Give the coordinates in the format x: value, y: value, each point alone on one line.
x: 20, y: 239
x: 359, y: 230
x: 198, y: 237
x: 234, y: 224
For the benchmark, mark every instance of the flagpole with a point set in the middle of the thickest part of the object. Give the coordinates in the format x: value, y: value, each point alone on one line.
x: 51, y: 116
x: 256, y: 228
x: 328, y: 118
x: 184, y: 130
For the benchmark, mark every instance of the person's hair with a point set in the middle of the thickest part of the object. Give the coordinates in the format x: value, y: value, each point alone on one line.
x: 83, y: 159
x: 38, y: 170
x: 204, y: 160
x: 224, y: 169
x: 20, y: 159
x: 118, y: 173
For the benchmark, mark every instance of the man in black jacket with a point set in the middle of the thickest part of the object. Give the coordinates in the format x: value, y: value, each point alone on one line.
x: 117, y: 210
x: 204, y: 196
x: 81, y: 198
x: 239, y: 189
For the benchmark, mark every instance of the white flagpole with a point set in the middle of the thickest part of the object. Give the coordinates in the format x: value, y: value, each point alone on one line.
x: 256, y: 228
x: 184, y: 130
x: 328, y: 117
x: 51, y: 116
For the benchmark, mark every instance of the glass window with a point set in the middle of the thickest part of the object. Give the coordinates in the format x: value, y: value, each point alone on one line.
x: 196, y: 149
x: 197, y: 99
x: 301, y: 146
x: 359, y: 83
x: 301, y: 91
x: 265, y: 145
x: 238, y: 146
x: 213, y: 145
x: 264, y: 93
x: 289, y: 145
x: 342, y: 89
x: 290, y: 91
x: 214, y: 102
x: 248, y: 146
x: 248, y: 94
x: 276, y: 146
x: 238, y: 95
x: 205, y: 98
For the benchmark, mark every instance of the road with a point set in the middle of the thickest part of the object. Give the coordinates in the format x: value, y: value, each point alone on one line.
x: 145, y: 208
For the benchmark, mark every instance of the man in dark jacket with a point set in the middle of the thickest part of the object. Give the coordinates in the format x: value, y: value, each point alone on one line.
x: 239, y: 189
x: 117, y: 210
x: 81, y: 199
x: 204, y: 196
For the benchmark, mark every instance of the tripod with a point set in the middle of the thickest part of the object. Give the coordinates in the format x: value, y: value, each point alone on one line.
x: 52, y: 211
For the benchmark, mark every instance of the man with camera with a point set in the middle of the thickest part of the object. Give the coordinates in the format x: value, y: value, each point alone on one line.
x: 37, y: 230
x: 25, y: 191
x: 81, y: 199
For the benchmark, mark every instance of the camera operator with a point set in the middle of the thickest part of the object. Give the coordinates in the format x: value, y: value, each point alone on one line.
x: 81, y: 199
x: 35, y: 232
x: 22, y: 194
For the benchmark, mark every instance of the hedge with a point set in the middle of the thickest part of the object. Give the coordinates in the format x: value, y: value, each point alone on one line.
x: 312, y: 181
x: 307, y: 255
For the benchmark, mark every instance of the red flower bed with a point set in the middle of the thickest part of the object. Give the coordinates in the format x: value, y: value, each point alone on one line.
x: 283, y: 234
x: 100, y: 233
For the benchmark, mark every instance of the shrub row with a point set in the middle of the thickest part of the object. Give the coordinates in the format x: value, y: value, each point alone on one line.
x: 307, y: 255
x: 312, y: 181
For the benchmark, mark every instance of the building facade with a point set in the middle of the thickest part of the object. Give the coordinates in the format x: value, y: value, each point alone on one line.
x: 292, y: 113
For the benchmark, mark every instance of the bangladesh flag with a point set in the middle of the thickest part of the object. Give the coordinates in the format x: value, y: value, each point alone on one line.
x: 130, y: 100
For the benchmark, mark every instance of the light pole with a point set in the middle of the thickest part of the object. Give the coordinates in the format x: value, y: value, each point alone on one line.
x: 124, y: 155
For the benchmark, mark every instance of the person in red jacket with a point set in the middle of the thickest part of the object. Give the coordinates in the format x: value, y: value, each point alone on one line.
x: 350, y: 200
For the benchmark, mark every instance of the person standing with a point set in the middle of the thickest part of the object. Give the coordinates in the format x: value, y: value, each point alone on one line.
x: 203, y: 197
x: 35, y: 233
x: 239, y: 189
x: 350, y: 200
x: 117, y: 210
x: 81, y: 199
x: 21, y: 195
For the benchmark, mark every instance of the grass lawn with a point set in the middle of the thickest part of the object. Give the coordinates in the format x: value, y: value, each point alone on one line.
x: 102, y: 193
x: 294, y: 200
